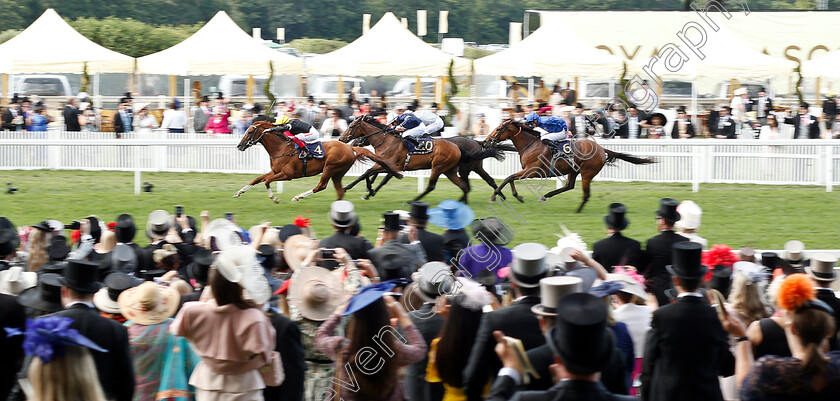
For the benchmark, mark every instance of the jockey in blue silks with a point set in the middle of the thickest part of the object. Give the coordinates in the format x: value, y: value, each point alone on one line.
x: 410, y: 126
x: 553, y: 130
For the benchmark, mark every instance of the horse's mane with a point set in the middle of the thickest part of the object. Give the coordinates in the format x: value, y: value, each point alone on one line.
x: 373, y: 121
x: 525, y: 128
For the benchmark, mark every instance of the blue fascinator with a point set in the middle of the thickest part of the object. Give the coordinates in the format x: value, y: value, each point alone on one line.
x: 47, y: 336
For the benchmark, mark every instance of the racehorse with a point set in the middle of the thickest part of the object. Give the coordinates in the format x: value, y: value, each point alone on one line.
x: 587, y: 159
x: 286, y: 165
x: 443, y: 159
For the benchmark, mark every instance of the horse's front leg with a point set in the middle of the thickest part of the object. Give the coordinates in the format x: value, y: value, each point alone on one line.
x: 274, y: 177
x: 255, y: 182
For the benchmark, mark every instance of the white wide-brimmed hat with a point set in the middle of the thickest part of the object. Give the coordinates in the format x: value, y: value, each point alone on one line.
x: 239, y: 265
x: 14, y: 280
x: 315, y: 292
x: 223, y: 234
x: 690, y: 214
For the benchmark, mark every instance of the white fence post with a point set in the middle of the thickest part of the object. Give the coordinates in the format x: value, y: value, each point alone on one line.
x: 279, y: 187
x: 696, y: 168
x: 54, y: 152
x: 137, y: 180
x: 421, y: 186
x: 829, y: 168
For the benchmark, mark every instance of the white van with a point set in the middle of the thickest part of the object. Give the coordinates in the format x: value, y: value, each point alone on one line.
x: 404, y: 88
x: 236, y: 85
x: 325, y: 87
x: 42, y: 85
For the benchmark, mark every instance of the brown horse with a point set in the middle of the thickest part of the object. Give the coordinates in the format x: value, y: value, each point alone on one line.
x: 286, y: 165
x: 536, y: 159
x: 444, y: 158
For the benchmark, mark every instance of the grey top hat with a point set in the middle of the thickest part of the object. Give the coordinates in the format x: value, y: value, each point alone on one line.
x: 341, y: 213
x: 552, y: 290
x: 158, y: 224
x: 822, y: 267
x: 433, y: 279
x: 793, y: 250
x: 528, y: 264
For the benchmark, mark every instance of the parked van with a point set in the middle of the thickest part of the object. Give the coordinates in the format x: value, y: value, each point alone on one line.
x: 405, y: 87
x: 236, y: 85
x: 323, y: 87
x: 42, y: 85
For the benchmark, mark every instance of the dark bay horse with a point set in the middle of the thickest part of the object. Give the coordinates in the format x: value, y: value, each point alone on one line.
x: 536, y: 159
x: 444, y: 158
x: 286, y: 165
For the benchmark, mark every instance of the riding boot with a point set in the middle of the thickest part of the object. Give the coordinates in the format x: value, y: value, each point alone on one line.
x: 414, y: 142
x: 551, y: 145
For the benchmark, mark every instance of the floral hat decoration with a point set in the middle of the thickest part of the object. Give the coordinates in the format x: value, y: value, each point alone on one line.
x: 47, y: 337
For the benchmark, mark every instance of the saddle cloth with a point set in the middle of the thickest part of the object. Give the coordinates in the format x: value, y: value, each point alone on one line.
x: 425, y: 146
x: 562, y: 148
x: 316, y: 150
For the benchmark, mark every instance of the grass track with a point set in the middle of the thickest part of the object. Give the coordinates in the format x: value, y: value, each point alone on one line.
x: 737, y: 215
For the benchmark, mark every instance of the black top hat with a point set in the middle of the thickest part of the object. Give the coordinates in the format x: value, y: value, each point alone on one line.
x: 681, y: 109
x: 581, y: 337
x: 58, y: 249
x: 122, y: 100
x: 287, y: 231
x: 125, y: 229
x: 721, y: 279
x: 205, y: 98
x: 804, y: 105
x: 267, y: 256
x: 149, y: 275
x: 53, y: 268
x: 9, y: 242
x: 770, y: 260
x: 616, y: 219
x: 257, y: 108
x: 95, y: 229
x: 200, y: 266
x: 25, y: 99
x: 434, y: 105
x: 686, y: 260
x: 491, y: 230
x: 46, y: 296
x: 220, y: 95
x: 15, y: 99
x: 392, y: 221
x: 310, y: 98
x: 43, y: 226
x: 668, y: 210
x: 579, y: 106
x: 5, y: 224
x: 119, y: 282
x: 82, y: 276
x: 419, y: 211
x: 128, y: 95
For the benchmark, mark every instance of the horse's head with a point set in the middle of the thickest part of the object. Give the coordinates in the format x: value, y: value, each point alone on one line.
x: 254, y: 134
x: 353, y: 130
x: 506, y: 130
x: 361, y: 128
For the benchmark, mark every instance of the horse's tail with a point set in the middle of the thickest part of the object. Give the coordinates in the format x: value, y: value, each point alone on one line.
x: 612, y: 156
x: 364, y: 154
x: 505, y: 147
x: 496, y: 153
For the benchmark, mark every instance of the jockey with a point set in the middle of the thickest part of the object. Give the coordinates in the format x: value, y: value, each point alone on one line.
x: 432, y: 121
x: 300, y: 132
x: 553, y: 130
x: 410, y: 126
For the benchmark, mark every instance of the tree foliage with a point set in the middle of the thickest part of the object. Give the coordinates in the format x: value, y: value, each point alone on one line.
x: 317, y: 46
x: 131, y: 37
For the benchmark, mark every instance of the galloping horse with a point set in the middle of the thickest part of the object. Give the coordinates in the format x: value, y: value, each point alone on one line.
x: 443, y: 159
x: 286, y: 165
x: 536, y: 159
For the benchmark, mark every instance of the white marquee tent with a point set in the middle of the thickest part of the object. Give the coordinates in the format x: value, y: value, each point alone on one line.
x: 827, y: 66
x: 726, y: 56
x: 387, y: 49
x: 51, y: 45
x: 219, y: 47
x: 552, y: 50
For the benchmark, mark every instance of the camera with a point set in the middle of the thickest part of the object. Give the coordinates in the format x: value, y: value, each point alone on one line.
x: 327, y: 254
x: 10, y: 189
x: 179, y: 210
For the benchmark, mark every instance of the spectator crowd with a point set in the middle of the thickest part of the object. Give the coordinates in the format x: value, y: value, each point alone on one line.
x: 209, y: 310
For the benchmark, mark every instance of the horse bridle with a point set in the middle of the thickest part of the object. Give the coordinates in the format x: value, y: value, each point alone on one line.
x: 256, y: 139
x: 504, y: 128
x: 357, y: 123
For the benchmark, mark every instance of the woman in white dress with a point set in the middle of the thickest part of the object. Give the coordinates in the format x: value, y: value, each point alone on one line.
x: 144, y: 123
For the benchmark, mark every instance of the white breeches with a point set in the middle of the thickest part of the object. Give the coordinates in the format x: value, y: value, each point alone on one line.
x: 435, y: 126
x: 419, y: 130
x: 554, y: 136
x: 309, y: 137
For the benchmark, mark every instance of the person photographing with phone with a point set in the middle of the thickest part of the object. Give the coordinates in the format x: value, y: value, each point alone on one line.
x: 395, y: 259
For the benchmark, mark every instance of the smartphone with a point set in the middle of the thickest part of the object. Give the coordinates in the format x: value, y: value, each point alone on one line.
x: 179, y: 210
x: 229, y: 216
x: 327, y: 254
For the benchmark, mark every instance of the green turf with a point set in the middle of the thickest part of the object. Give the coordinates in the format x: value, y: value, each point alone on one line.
x: 737, y: 215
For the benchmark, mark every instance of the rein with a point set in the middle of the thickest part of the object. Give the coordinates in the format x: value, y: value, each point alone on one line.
x: 256, y: 140
x: 356, y: 127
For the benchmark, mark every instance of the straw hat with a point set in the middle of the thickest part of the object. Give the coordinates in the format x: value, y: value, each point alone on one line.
x: 149, y: 303
x: 315, y: 292
x: 295, y: 250
x: 164, y: 252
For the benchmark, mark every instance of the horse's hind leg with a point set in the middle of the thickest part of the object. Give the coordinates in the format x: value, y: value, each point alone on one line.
x: 586, y: 181
x: 255, y: 182
x: 465, y: 188
x: 381, y: 184
x: 433, y: 178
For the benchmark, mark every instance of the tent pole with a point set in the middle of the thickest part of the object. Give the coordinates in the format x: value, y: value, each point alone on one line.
x: 418, y: 88
x: 577, y: 91
x: 188, y: 127
x: 172, y: 86
x: 530, y: 89
x: 340, y: 87
x: 249, y: 88
x: 694, y: 103
x: 817, y: 91
x: 5, y: 92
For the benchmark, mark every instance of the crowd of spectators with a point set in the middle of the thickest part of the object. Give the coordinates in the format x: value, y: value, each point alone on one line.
x: 209, y: 310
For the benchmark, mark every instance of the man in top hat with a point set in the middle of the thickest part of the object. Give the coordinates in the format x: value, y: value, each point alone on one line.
x: 123, y: 119
x: 658, y: 250
x: 805, y: 126
x: 616, y: 249
x: 794, y: 259
x: 516, y: 320
x: 583, y: 347
x: 687, y: 348
x: 433, y: 281
x: 432, y: 243
x: 202, y: 114
x: 125, y: 231
x: 395, y: 259
x: 822, y: 272
x: 342, y: 217
x: 116, y: 374
x: 11, y: 115
x: 682, y: 128
x: 690, y: 216
x: 722, y: 125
